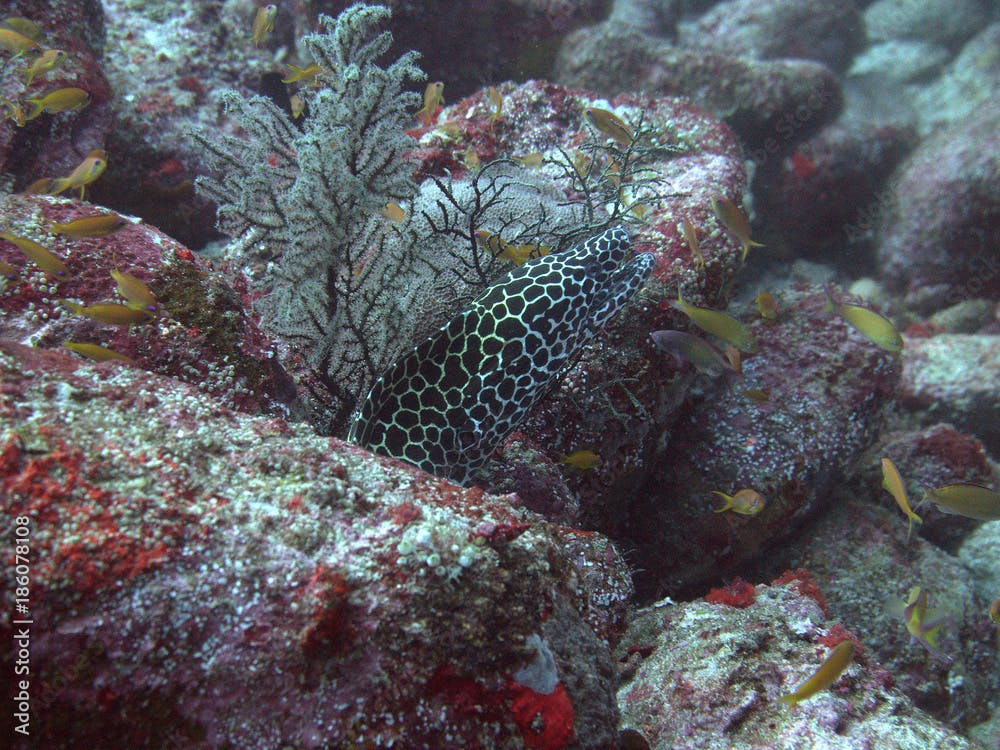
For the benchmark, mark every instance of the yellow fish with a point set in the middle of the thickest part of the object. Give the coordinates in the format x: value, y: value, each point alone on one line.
x: 89, y: 226
x: 923, y: 623
x: 135, y: 291
x: 726, y: 327
x: 766, y: 306
x: 263, y: 23
x: 531, y: 160
x: 869, y: 324
x: 40, y: 256
x: 685, y: 347
x: 40, y: 186
x: 122, y: 315
x: 736, y: 222
x: 49, y: 59
x: 581, y: 459
x: 496, y: 99
x: 393, y: 212
x: 758, y: 395
x: 24, y: 26
x: 691, y: 238
x: 994, y: 612
x: 611, y: 125
x: 433, y: 98
x: 60, y: 100
x: 298, y: 105
x: 746, y: 502
x: 893, y: 484
x: 836, y: 662
x: 96, y: 352
x: 516, y: 254
x: 86, y: 172
x: 16, y: 42
x: 306, y: 75
x: 969, y: 500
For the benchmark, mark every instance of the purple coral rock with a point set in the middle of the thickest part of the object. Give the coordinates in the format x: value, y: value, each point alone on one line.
x: 207, y: 578
x: 821, y: 197
x: 201, y: 334
x: 820, y: 30
x: 707, y: 676
x: 940, y: 223
x: 859, y: 556
x: 769, y: 103
x: 825, y: 387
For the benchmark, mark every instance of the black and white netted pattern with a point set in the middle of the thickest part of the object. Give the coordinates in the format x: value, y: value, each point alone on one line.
x: 447, y: 404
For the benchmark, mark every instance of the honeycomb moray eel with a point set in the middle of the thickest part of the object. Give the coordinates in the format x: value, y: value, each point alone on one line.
x: 448, y: 403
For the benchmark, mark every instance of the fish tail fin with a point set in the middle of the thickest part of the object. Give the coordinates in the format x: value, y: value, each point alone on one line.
x: 728, y: 500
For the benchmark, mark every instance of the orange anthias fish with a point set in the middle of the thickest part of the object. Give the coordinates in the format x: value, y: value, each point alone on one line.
x: 60, y: 100
x: 839, y: 658
x: 611, y: 125
x: 15, y: 42
x: 433, y: 101
x: 86, y: 172
x: 40, y: 256
x: 96, y: 352
x: 263, y: 23
x: 766, y: 306
x: 746, y: 502
x: 736, y: 222
x: 89, y: 226
x: 48, y: 60
x: 135, y: 291
x: 516, y: 254
x: 726, y: 327
x: 892, y: 482
x: 691, y: 238
x: 582, y: 459
x: 121, y: 315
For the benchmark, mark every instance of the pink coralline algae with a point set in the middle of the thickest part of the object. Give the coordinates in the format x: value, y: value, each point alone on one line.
x: 201, y: 334
x: 199, y: 571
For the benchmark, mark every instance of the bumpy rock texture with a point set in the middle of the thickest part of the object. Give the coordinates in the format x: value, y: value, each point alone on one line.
x: 198, y: 572
x: 707, y: 675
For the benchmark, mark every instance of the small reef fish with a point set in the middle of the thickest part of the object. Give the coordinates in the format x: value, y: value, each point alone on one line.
x: 923, y: 623
x: 611, y: 125
x: 8, y: 272
x: 60, y: 100
x: 48, y: 60
x: 691, y: 238
x: 757, y: 395
x: 836, y: 662
x: 305, y: 75
x: 135, y: 291
x: 121, y: 315
x: 686, y: 347
x: 24, y: 26
x: 726, y: 327
x: 746, y: 502
x: 89, y: 226
x: 766, y: 306
x: 433, y: 99
x: 263, y: 24
x: 969, y: 500
x: 892, y: 482
x: 40, y: 256
x: 471, y: 159
x: 994, y: 612
x: 298, y: 106
x: 868, y: 323
x: 582, y: 459
x: 96, y: 352
x: 40, y: 186
x: 393, y: 212
x: 733, y: 219
x: 86, y: 172
x: 516, y: 254
x: 496, y: 99
x: 16, y: 42
x: 531, y: 160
